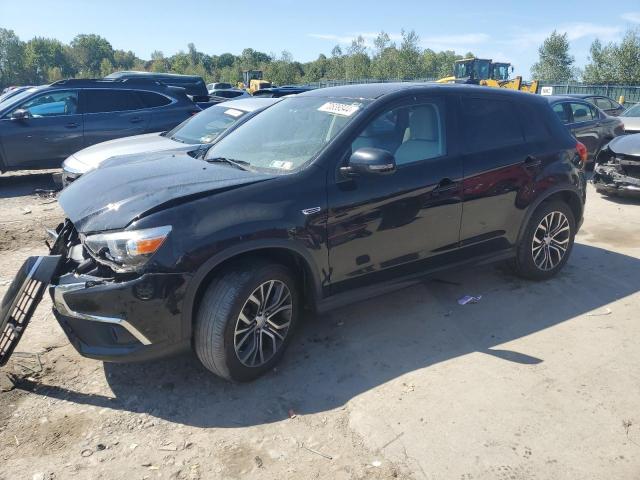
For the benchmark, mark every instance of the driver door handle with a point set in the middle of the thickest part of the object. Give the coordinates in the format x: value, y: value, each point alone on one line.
x: 136, y: 120
x: 71, y: 125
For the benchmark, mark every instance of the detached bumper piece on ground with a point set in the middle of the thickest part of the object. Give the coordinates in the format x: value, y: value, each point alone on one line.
x: 617, y: 169
x: 21, y: 300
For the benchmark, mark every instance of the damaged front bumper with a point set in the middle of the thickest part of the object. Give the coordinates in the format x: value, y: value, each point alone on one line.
x: 105, y: 315
x: 617, y: 175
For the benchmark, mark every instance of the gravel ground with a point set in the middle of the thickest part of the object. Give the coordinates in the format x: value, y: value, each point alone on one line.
x: 536, y: 381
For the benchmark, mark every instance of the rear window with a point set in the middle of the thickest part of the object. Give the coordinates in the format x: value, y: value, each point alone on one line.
x: 604, y: 103
x: 490, y: 123
x: 104, y: 101
x: 151, y: 100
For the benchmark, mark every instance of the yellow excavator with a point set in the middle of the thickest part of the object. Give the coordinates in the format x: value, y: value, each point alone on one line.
x: 252, y: 81
x: 485, y: 72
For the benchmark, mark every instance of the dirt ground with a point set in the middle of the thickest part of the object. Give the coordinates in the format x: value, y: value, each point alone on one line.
x: 536, y: 381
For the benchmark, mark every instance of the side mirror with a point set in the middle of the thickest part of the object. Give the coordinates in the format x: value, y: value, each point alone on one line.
x: 370, y: 161
x: 20, y: 114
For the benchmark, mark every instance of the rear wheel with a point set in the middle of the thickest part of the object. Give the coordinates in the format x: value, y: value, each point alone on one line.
x: 246, y: 319
x: 547, y: 241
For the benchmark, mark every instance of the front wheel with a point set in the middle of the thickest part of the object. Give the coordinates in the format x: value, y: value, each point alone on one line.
x: 547, y: 241
x: 246, y: 319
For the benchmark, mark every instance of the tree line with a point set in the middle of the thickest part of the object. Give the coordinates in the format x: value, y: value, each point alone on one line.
x: 613, y: 63
x: 43, y: 60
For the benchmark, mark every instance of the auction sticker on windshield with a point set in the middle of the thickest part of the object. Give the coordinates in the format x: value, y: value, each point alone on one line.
x: 342, y: 109
x: 233, y: 112
x: 281, y: 165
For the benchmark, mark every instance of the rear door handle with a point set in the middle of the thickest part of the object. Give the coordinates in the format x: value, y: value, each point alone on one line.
x: 71, y: 125
x: 445, y: 185
x: 531, y: 161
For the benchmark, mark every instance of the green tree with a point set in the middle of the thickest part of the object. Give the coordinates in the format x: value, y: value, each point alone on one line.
x: 11, y: 58
x: 159, y: 62
x: 41, y: 56
x: 106, y: 67
x: 385, y: 61
x: 88, y: 52
x: 555, y: 64
x: 409, y: 64
x: 316, y: 70
x: 615, y: 63
x: 357, y: 61
x: 125, y: 60
x: 335, y: 70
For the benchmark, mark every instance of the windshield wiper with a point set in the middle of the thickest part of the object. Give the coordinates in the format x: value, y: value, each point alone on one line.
x: 241, y: 164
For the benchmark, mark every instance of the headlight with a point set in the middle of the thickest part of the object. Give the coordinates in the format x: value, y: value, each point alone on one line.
x: 127, y: 250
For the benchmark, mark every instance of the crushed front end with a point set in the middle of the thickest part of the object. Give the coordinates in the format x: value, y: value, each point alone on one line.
x: 111, y: 315
x: 617, y: 170
x: 106, y: 314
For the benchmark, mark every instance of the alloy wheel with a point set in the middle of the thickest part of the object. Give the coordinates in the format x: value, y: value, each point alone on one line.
x: 551, y: 240
x: 263, y: 323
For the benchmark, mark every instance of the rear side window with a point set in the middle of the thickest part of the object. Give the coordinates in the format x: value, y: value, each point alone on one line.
x: 604, y: 103
x: 533, y: 119
x: 490, y: 123
x: 563, y: 113
x: 152, y: 100
x: 104, y: 101
x: 581, y: 112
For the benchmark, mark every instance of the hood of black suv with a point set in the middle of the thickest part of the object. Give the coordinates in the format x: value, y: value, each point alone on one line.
x: 126, y: 188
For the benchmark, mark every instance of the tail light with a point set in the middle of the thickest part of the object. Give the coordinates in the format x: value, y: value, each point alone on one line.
x: 582, y: 152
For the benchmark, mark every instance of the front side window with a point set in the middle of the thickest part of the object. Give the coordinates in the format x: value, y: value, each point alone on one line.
x: 52, y: 104
x: 490, y: 123
x: 410, y: 133
x: 289, y: 134
x: 581, y: 112
x: 105, y: 101
x: 207, y: 125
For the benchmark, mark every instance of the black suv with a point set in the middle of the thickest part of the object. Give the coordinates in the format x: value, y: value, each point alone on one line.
x: 324, y: 198
x: 41, y: 126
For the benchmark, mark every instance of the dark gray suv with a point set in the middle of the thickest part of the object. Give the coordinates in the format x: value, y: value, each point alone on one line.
x: 42, y: 126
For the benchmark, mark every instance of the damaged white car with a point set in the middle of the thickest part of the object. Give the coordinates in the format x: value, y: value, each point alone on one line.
x: 617, y: 169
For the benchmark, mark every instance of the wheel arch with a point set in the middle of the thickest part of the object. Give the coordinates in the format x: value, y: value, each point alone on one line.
x: 296, y: 258
x: 569, y: 196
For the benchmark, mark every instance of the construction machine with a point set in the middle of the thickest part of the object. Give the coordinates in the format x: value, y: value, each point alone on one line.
x: 485, y: 72
x: 252, y: 81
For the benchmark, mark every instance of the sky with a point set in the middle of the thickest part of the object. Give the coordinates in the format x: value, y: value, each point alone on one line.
x: 502, y: 31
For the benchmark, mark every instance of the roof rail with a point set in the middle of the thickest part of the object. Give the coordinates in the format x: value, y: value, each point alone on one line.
x: 94, y: 81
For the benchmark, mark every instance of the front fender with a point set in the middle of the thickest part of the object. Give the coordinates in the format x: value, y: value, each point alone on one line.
x: 212, y: 263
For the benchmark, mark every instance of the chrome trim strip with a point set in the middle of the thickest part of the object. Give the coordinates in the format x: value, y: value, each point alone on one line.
x: 63, y: 308
x: 22, y: 288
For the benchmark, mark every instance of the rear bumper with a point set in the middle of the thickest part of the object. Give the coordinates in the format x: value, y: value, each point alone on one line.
x: 122, y: 321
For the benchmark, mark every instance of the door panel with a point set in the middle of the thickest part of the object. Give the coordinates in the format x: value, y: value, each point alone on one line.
x: 585, y: 126
x: 382, y: 227
x: 497, y: 167
x: 112, y: 114
x: 53, y: 131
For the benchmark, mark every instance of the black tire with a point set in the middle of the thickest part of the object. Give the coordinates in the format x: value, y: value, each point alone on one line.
x: 524, y: 264
x: 219, y: 311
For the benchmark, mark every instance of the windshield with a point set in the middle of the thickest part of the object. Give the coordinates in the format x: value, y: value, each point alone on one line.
x: 289, y: 134
x: 500, y: 71
x: 17, y: 98
x: 632, y: 111
x: 207, y: 125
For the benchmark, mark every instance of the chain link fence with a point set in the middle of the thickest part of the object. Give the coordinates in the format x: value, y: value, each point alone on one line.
x: 630, y: 93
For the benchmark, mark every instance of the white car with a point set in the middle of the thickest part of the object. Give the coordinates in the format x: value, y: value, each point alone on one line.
x: 193, y: 133
x: 631, y: 119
